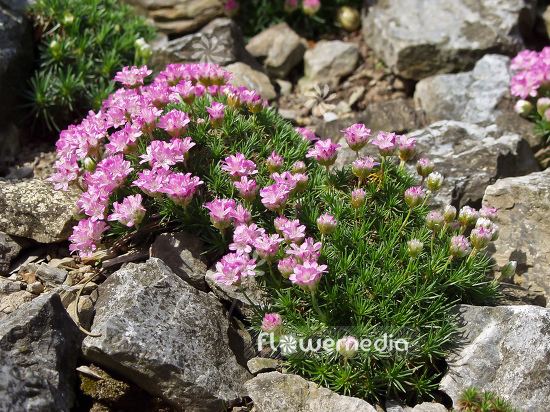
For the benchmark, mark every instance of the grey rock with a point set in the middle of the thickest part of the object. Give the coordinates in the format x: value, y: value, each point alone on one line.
x: 182, y: 253
x: 177, y: 16
x: 327, y: 62
x: 7, y: 287
x: 393, y: 405
x: 285, y: 87
x: 472, y: 97
x: 167, y: 337
x: 33, y: 209
x: 252, y: 79
x: 35, y: 288
x: 428, y: 407
x: 259, y: 365
x: 16, y: 65
x: 50, y: 275
x: 234, y: 295
x: 440, y: 36
x: 9, y: 250
x: 24, y: 172
x: 38, y: 351
x: 277, y: 392
x: 14, y: 301
x: 394, y: 115
x: 85, y: 311
x: 504, y: 349
x: 524, y: 210
x: 280, y: 46
x: 219, y: 42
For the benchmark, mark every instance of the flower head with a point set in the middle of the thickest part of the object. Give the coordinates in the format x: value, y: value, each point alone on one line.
x: 221, y: 212
x: 216, y: 113
x: 307, y: 275
x: 460, y: 246
x: 362, y: 166
x: 435, y: 181
x: 274, y: 197
x: 414, y: 247
x: 274, y: 162
x: 326, y: 224
x: 347, y: 346
x: 358, y: 197
x: 132, y: 77
x: 356, y: 136
x: 435, y: 220
x: 311, y: 7
x: 414, y: 196
x: 286, y: 266
x: 407, y: 147
x: 490, y: 213
x: 480, y: 237
x: 324, y: 152
x: 272, y: 323
x: 386, y: 143
x: 237, y: 166
x: 233, y: 268
x: 424, y: 167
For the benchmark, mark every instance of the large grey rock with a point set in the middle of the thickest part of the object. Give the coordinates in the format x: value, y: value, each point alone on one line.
x: 472, y: 97
x: 9, y: 249
x: 524, y: 216
x: 252, y: 79
x: 167, y: 337
x: 327, y: 62
x: 179, y: 16
x: 441, y: 36
x: 182, y: 253
x: 219, y: 42
x: 33, y: 209
x: 277, y: 392
x: 504, y: 349
x: 280, y: 46
x: 16, y: 62
x: 39, y: 345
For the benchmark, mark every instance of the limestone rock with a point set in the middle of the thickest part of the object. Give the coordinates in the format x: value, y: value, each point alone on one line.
x: 7, y: 287
x: 280, y: 46
x: 182, y: 253
x: 252, y: 79
x: 9, y: 249
x: 440, y: 36
x: 472, y: 97
x: 259, y: 365
x: 524, y: 210
x: 33, y: 209
x: 219, y: 42
x: 14, y: 301
x: 179, y: 16
x: 38, y: 352
x: 327, y: 62
x: 167, y: 337
x: 504, y: 349
x: 277, y: 392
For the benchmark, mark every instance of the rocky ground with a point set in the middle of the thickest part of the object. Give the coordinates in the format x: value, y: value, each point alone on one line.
x: 461, y: 115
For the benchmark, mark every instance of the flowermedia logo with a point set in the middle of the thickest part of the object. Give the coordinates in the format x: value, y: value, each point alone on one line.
x: 318, y: 100
x: 208, y: 50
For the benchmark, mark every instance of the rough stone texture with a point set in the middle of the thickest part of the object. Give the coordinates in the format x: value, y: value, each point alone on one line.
x: 427, y: 407
x: 394, y: 115
x: 7, y: 287
x: 167, y: 337
x: 179, y: 16
x: 277, y: 392
x: 85, y: 311
x: 470, y: 158
x: 280, y: 46
x: 14, y: 301
x: 16, y: 60
x: 33, y: 209
x: 182, y: 253
x: 9, y: 249
x: 252, y: 79
x: 471, y: 97
x: 230, y: 293
x: 38, y: 352
x: 524, y: 216
x: 219, y: 42
x: 504, y: 349
x: 259, y: 365
x: 327, y: 62
x: 49, y: 275
x: 440, y: 36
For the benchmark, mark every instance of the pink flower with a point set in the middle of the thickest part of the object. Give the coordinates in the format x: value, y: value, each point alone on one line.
x: 86, y: 236
x: 220, y: 212
x: 347, y: 346
x: 480, y: 237
x: 233, y: 268
x: 67, y: 173
x: 291, y: 5
x: 306, y: 251
x: 280, y: 222
x: 307, y: 275
x: 146, y: 119
x: 307, y: 134
x: 435, y: 220
x: 386, y: 143
x: 358, y: 197
x: 356, y: 136
x: 216, y: 113
x: 253, y: 100
x: 231, y: 8
x: 414, y: 196
x: 124, y: 140
x: 274, y: 197
x: 248, y: 189
x: 272, y: 323
x: 174, y: 122
x: 286, y: 266
x: 181, y: 188
x: 524, y: 84
x: 130, y: 212
x: 460, y: 246
x: 324, y: 152
x: 237, y: 166
x: 326, y: 224
x: 158, y: 94
x: 407, y: 147
x: 241, y: 215
x: 362, y: 166
x: 311, y: 7
x: 244, y: 238
x: 160, y: 154
x: 274, y: 162
x: 133, y: 77
x: 152, y: 182
x: 267, y: 246
x: 184, y: 91
x: 94, y: 202
x: 294, y: 232
x: 490, y: 213
x: 424, y: 167
x: 299, y: 167
x: 467, y: 216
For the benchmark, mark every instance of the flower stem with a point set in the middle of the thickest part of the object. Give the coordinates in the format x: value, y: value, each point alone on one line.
x: 316, y: 306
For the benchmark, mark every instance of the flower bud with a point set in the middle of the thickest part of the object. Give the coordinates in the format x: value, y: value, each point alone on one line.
x: 496, y: 232
x: 414, y: 247
x: 299, y: 167
x: 480, y: 237
x: 543, y: 104
x: 435, y: 181
x: 523, y: 107
x: 424, y: 167
x: 509, y: 269
x: 347, y: 346
x: 449, y: 213
x: 274, y: 163
x: 490, y: 213
x: 460, y: 246
x: 434, y: 221
x: 414, y: 196
x: 467, y: 216
x: 326, y: 224
x: 272, y: 323
x: 286, y: 266
x: 358, y: 197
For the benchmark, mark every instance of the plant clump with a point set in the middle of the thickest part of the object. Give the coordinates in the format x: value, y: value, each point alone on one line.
x: 361, y: 277
x: 81, y: 45
x: 471, y: 400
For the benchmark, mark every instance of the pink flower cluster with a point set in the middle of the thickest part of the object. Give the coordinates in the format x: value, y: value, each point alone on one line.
x: 534, y: 72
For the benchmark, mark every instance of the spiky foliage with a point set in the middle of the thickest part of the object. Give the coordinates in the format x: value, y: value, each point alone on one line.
x: 471, y: 400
